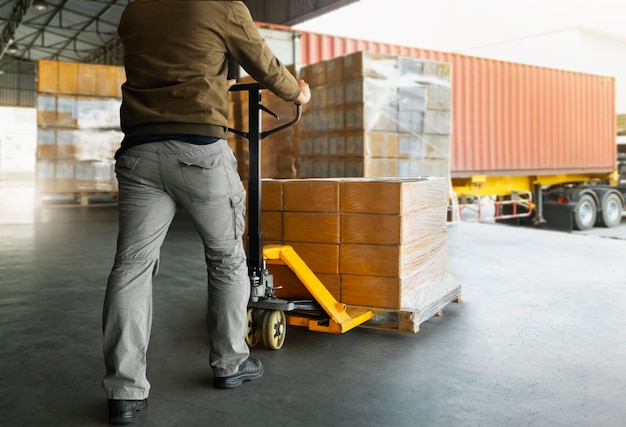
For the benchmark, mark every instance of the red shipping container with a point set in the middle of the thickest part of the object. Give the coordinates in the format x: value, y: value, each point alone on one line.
x: 510, y: 118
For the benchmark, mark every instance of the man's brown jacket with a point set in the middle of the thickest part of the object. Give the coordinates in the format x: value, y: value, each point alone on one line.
x: 176, y: 55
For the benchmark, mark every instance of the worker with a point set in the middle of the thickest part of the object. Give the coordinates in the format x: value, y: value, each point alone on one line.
x: 174, y: 153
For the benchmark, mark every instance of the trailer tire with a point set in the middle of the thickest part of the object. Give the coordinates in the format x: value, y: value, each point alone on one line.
x: 611, y: 211
x: 585, y: 213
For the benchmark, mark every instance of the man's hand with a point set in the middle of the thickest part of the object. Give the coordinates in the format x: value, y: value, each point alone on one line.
x: 305, y: 92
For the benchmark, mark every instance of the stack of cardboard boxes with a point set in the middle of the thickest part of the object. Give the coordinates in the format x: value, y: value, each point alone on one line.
x: 370, y: 219
x: 78, y: 127
x: 376, y: 115
x: 379, y: 243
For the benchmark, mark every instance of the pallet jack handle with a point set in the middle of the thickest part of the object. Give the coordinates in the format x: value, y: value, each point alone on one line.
x: 255, y: 134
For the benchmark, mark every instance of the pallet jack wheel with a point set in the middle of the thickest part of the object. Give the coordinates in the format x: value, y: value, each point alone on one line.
x: 274, y: 329
x: 253, y: 331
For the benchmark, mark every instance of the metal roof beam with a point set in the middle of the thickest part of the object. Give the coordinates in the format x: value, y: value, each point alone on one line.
x: 8, y: 32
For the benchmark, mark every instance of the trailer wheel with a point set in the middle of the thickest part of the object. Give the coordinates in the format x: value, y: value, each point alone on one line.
x: 255, y: 323
x: 274, y: 329
x: 611, y: 211
x: 585, y: 213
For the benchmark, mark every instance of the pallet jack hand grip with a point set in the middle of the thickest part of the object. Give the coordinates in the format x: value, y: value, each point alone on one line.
x: 286, y: 125
x: 254, y: 93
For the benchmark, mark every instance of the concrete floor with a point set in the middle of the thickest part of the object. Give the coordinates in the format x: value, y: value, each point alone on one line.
x: 539, y: 339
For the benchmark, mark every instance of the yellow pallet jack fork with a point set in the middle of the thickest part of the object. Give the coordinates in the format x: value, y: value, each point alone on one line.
x: 340, y: 320
x: 268, y: 315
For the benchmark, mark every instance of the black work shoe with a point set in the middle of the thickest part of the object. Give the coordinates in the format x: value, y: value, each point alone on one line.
x: 123, y: 411
x: 249, y: 370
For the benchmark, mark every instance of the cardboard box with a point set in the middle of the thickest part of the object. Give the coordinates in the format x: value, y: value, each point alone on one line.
x: 377, y: 65
x: 371, y: 91
x: 374, y: 167
x: 370, y: 291
x: 334, y: 69
x: 314, y: 74
x: 290, y: 287
x: 272, y: 225
x: 424, y: 167
x: 370, y: 118
x: 68, y: 78
x: 86, y: 79
x: 319, y: 100
x: 437, y: 122
x: 403, y: 229
x: 47, y: 76
x: 409, y: 66
x: 272, y: 195
x: 372, y: 144
x: 311, y: 227
x: 321, y: 258
x: 420, y: 291
x: 64, y: 152
x: 46, y: 111
x: 337, y: 145
x: 388, y: 260
x: 108, y: 81
x: 335, y: 94
x: 438, y: 97
x: 441, y: 70
x: 412, y: 97
x: 67, y: 112
x: 46, y: 152
x: 311, y: 195
x: 392, y: 196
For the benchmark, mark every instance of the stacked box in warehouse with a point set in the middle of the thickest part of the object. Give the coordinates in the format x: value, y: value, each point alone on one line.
x: 380, y: 243
x: 277, y: 150
x: 394, y: 249
x: 376, y: 115
x: 287, y: 207
x: 78, y: 127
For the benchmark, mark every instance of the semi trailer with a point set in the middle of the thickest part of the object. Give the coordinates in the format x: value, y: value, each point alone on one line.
x: 537, y: 144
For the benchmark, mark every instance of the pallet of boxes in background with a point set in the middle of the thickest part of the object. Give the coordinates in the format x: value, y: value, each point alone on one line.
x: 376, y: 115
x: 78, y: 129
x: 377, y: 243
x: 370, y: 115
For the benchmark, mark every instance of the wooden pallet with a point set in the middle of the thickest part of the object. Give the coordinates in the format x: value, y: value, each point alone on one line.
x: 410, y: 320
x: 83, y: 198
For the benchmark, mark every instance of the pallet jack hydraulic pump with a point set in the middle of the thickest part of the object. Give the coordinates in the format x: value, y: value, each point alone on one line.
x: 268, y: 315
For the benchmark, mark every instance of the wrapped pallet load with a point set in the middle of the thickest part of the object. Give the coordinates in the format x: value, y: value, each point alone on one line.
x: 376, y: 115
x: 373, y: 242
x: 78, y: 128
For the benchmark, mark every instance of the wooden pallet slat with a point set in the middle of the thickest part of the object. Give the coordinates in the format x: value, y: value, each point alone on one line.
x: 409, y: 320
x: 82, y: 198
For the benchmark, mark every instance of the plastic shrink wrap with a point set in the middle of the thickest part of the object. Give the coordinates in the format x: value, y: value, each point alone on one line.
x: 376, y: 115
x: 375, y: 242
x: 78, y: 127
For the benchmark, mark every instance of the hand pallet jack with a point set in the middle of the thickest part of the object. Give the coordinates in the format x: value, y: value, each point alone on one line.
x: 268, y: 315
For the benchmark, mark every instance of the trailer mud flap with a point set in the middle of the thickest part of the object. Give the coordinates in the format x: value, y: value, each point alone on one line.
x: 558, y: 216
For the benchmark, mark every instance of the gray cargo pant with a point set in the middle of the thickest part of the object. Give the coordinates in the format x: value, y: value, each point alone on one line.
x: 155, y: 178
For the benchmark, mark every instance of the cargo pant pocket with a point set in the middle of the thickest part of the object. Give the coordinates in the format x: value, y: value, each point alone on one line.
x: 205, y: 177
x: 127, y: 169
x: 238, y: 203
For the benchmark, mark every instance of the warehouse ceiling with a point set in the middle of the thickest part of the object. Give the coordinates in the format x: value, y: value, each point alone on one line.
x: 85, y: 30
